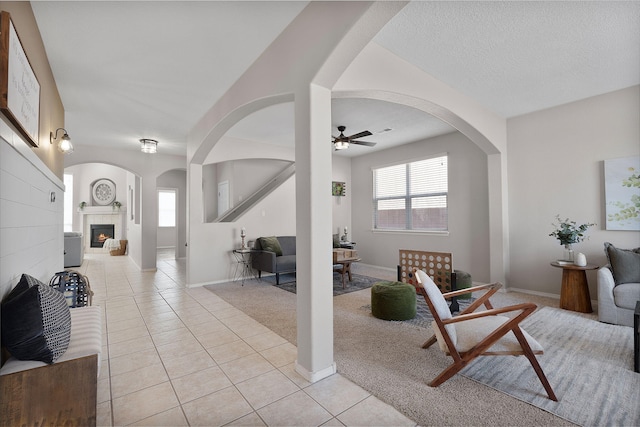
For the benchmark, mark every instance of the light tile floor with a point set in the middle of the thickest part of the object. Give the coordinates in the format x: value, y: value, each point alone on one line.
x: 177, y: 356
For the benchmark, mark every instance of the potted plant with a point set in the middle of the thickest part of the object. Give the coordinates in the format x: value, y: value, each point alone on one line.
x: 82, y: 205
x: 569, y: 232
x: 116, y: 205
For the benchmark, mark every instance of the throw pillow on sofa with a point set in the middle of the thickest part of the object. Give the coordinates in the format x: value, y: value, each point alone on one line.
x: 625, y: 264
x: 36, y: 322
x: 271, y: 244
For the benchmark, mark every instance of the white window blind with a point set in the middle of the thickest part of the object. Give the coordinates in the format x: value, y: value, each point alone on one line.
x: 411, y: 196
x: 166, y: 208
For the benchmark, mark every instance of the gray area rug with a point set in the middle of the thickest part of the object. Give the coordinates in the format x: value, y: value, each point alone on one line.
x: 589, y: 365
x: 357, y: 283
x: 385, y: 359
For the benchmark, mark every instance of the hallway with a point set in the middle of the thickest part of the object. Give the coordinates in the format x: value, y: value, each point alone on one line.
x: 179, y: 356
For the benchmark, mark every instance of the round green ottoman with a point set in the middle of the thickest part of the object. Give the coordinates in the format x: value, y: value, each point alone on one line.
x: 393, y: 301
x: 463, y: 281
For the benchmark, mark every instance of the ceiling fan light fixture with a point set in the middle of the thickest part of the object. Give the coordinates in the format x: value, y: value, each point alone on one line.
x: 149, y: 146
x: 341, y: 145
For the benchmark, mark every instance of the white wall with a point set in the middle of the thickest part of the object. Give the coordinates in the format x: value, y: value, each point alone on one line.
x: 31, y: 224
x: 147, y: 168
x: 275, y: 215
x: 555, y: 161
x: 134, y: 227
x: 86, y: 174
x: 468, y: 238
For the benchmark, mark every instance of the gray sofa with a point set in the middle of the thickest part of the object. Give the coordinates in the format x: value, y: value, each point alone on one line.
x: 619, y: 286
x: 272, y: 261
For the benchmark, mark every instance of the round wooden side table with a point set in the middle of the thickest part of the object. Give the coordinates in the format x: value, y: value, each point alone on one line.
x: 574, y: 294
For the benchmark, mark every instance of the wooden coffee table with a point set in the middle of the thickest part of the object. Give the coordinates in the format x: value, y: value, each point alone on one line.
x: 574, y: 294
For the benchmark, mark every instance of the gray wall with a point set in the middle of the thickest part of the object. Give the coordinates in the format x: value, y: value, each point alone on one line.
x: 468, y: 237
x: 555, y: 161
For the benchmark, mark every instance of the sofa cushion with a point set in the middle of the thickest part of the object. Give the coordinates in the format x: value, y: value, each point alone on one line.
x: 625, y: 264
x: 270, y: 244
x: 626, y: 295
x: 285, y: 263
x: 288, y: 244
x: 36, y: 322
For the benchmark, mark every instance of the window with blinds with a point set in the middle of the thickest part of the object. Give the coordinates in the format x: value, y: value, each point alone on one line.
x: 411, y: 196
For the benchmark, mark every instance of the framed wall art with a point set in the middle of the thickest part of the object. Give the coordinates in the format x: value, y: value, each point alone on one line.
x: 622, y: 193
x: 338, y: 188
x: 19, y: 87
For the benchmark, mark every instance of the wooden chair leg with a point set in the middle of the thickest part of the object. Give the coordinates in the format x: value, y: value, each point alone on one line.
x: 534, y: 363
x: 447, y: 373
x: 431, y: 341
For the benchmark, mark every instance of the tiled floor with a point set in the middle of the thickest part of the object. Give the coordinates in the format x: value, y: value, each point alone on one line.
x: 174, y: 356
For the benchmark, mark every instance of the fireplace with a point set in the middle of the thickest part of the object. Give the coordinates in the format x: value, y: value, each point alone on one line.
x: 100, y: 233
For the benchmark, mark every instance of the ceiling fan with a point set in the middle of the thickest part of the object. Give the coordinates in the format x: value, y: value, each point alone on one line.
x: 341, y: 142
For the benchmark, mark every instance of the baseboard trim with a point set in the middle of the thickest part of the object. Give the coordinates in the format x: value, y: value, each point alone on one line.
x: 313, y: 377
x: 530, y: 292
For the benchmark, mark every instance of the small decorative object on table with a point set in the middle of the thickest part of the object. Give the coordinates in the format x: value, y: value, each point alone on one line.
x: 568, y: 233
x: 243, y: 234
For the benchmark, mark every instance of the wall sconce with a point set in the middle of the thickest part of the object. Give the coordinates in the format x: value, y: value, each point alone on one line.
x: 149, y: 146
x: 64, y: 145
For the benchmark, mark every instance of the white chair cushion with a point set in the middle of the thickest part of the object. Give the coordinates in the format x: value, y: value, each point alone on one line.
x: 471, y: 332
x: 626, y: 295
x: 440, y: 305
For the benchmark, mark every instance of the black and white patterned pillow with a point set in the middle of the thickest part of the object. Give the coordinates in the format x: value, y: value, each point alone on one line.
x: 36, y: 322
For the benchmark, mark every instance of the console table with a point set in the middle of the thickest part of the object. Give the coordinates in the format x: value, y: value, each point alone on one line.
x: 574, y: 294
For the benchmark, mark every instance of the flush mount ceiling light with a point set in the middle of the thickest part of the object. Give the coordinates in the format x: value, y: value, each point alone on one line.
x: 64, y: 145
x: 148, y: 145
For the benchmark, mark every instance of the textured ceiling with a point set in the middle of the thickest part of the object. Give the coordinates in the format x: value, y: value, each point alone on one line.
x: 128, y: 70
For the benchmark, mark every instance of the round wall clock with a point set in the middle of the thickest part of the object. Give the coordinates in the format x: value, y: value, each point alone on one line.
x: 104, y: 192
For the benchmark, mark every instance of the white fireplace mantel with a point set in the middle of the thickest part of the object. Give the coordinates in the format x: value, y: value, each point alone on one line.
x: 102, y: 215
x: 102, y: 210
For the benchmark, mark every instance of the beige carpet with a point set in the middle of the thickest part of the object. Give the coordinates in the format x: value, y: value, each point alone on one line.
x: 385, y: 358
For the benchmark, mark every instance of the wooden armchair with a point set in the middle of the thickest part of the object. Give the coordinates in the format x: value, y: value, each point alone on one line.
x: 485, y: 333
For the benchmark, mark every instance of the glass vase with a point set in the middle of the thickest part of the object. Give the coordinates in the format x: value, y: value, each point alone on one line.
x: 568, y: 253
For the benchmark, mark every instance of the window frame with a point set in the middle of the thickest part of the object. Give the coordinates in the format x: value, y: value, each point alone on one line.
x: 409, y: 198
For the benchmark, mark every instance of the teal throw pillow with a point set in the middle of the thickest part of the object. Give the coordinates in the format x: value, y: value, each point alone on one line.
x: 625, y: 264
x: 271, y: 244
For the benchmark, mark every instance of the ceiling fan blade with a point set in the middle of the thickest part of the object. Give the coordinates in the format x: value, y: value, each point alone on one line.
x: 368, y: 144
x: 360, y: 135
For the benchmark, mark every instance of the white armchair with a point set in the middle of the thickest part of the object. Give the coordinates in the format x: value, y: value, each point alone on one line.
x: 616, y: 302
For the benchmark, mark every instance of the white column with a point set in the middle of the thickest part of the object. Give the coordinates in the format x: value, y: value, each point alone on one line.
x: 314, y: 275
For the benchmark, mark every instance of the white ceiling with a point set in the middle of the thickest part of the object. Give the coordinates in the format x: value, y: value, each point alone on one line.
x: 128, y: 70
